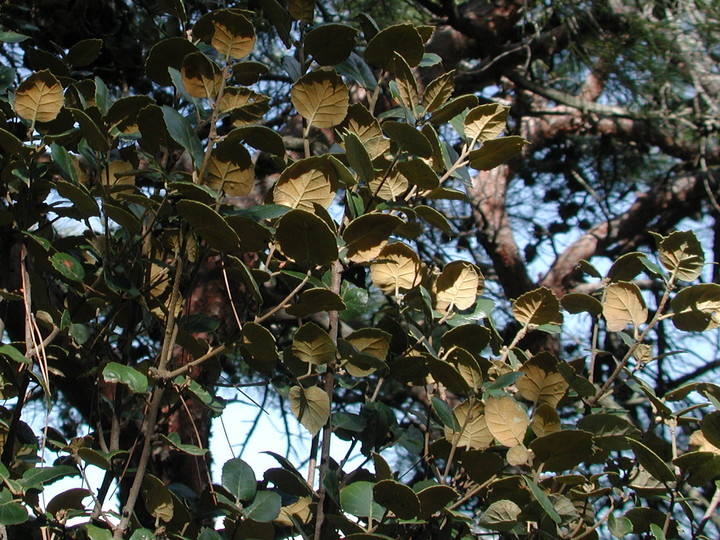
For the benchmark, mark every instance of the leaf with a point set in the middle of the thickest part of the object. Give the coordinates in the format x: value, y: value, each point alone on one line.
x: 239, y: 479
x: 358, y: 157
x: 173, y: 439
x: 314, y: 301
x: 406, y: 85
x: 398, y: 498
x: 330, y: 44
x: 496, y: 152
x: 579, y: 303
x: 485, y: 122
x: 201, y: 77
x: 11, y: 512
x: 434, y: 498
x: 367, y: 235
x: 697, y: 308
x: 474, y: 432
x: 260, y: 344
x: 182, y: 133
x: 306, y: 239
x: 541, y: 497
x: 123, y: 113
x: 280, y: 19
x: 419, y: 173
x: 370, y: 341
x: 389, y: 187
x: 622, y: 305
x: 72, y: 499
x: 562, y: 449
x: 401, y: 39
x: 408, y: 138
x: 626, y: 267
x: 680, y: 252
x: 452, y: 108
x: 506, y: 420
x: 357, y: 500
x: 457, y: 286
x: 259, y: 137
x: 84, y: 52
x: 137, y: 382
x: 234, y: 35
x: 157, y: 497
x: 312, y: 344
x: 537, y: 307
x: 244, y: 105
x: 265, y: 508
x: 311, y: 406
x: 164, y: 54
x: 210, y: 225
x: 305, y: 183
x: 438, y: 90
x: 230, y: 169
x: 710, y: 425
x: 500, y: 516
x: 545, y: 420
x: 302, y: 10
x: 651, y: 462
x: 321, y: 97
x: 39, y: 98
x: 445, y: 414
x: 541, y: 382
x: 397, y: 268
x: 619, y: 527
x: 68, y: 266
x: 366, y: 127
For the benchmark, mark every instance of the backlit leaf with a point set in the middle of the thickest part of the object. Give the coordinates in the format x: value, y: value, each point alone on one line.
x: 305, y: 183
x: 537, y: 307
x: 397, y: 268
x: 389, y: 187
x: 229, y: 32
x: 39, y: 98
x: 681, y: 252
x: 230, y: 169
x: 321, y: 97
x: 541, y: 382
x: 622, y: 305
x: 457, y: 286
x: 366, y: 236
x: 164, y: 54
x: 366, y: 127
x: 301, y: 10
x: 506, y: 420
x: 312, y: 344
x: 439, y: 90
x: 311, y: 406
x: 474, y: 432
x: 372, y: 341
x: 485, y: 122
x: 201, y: 76
x: 545, y: 420
x: 697, y: 308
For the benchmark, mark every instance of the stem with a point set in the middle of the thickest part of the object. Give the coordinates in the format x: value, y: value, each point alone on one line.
x: 621, y: 365
x: 281, y: 305
x: 334, y: 331
x: 710, y: 511
x: 155, y: 402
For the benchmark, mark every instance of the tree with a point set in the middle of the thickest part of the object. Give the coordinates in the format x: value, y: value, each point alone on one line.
x: 342, y: 226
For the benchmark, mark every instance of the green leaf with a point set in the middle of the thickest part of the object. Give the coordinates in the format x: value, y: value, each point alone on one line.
x: 619, y: 527
x: 12, y: 513
x: 408, y: 138
x: 651, y: 462
x: 710, y: 425
x: 157, y: 497
x: 210, y: 225
x: 419, y: 173
x: 314, y: 301
x: 357, y: 500
x: 330, y: 44
x: 543, y: 499
x: 398, y: 498
x: 13, y: 354
x: 311, y: 406
x: 581, y: 303
x: 12, y: 37
x: 68, y: 266
x: 367, y: 235
x: 239, y: 479
x: 173, y: 439
x: 445, y: 413
x: 265, y: 507
x: 260, y: 345
x: 401, y: 39
x: 306, y: 239
x: 358, y: 157
x: 182, y: 133
x: 84, y: 52
x: 137, y: 382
